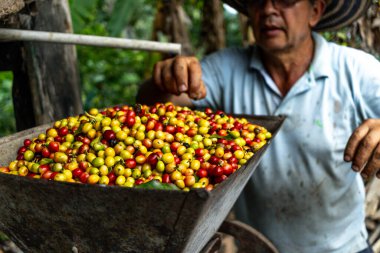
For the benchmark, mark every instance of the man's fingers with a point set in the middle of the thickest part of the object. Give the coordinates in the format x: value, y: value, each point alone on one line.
x: 180, y: 75
x: 365, y: 150
x: 157, y: 74
x: 373, y: 164
x: 354, y: 142
x: 196, y: 91
x: 202, y: 91
x: 168, y: 80
x: 180, y: 71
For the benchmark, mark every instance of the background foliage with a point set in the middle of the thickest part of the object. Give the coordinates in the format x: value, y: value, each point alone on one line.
x: 111, y: 76
x: 7, y: 120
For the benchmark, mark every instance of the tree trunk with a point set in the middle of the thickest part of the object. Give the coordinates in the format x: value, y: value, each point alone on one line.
x: 52, y: 68
x: 213, y: 32
x: 172, y: 21
x: 365, y: 32
x: 46, y: 81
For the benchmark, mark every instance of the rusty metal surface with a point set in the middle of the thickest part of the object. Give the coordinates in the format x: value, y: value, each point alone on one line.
x: 48, y: 216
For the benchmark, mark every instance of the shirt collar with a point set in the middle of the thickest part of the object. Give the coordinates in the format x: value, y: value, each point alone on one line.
x: 318, y: 66
x: 321, y: 64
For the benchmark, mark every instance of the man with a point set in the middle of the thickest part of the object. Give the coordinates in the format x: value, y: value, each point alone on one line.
x: 306, y: 195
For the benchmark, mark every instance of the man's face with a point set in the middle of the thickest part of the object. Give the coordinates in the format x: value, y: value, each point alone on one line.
x: 281, y: 25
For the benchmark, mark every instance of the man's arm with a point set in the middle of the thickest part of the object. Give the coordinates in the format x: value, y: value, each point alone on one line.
x: 363, y: 149
x: 177, y: 80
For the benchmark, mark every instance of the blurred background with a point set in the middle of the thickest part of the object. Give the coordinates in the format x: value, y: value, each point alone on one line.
x: 109, y: 76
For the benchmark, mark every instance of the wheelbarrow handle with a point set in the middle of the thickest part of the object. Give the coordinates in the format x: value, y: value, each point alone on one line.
x: 90, y: 40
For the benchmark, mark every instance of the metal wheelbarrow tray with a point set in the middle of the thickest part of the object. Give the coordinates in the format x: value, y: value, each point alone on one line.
x: 48, y: 216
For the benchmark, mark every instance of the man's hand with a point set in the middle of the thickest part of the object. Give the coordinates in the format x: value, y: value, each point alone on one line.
x: 180, y: 75
x: 363, y: 149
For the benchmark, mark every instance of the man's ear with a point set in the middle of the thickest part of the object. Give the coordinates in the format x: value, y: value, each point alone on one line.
x: 317, y: 11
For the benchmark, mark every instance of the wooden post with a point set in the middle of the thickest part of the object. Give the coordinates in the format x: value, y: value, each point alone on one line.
x: 52, y: 68
x: 46, y: 80
x: 213, y: 32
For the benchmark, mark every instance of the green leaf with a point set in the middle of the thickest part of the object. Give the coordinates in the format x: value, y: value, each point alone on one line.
x: 7, y: 120
x: 122, y: 14
x: 79, y: 130
x: 155, y: 184
x: 97, y: 145
x: 45, y: 161
x: 82, y: 12
x: 3, y: 237
x: 228, y: 137
x: 342, y: 36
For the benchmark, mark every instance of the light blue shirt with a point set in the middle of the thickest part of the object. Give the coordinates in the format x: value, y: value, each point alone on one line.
x: 302, y: 196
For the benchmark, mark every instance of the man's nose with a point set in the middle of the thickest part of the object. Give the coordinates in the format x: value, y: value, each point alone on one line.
x: 268, y: 6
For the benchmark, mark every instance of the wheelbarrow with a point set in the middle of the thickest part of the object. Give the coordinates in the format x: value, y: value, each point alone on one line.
x: 48, y: 216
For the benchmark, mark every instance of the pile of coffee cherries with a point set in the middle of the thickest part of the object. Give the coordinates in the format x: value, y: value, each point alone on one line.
x: 133, y: 145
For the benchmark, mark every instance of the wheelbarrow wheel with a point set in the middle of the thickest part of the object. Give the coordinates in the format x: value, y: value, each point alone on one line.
x: 247, y: 239
x: 214, y: 245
